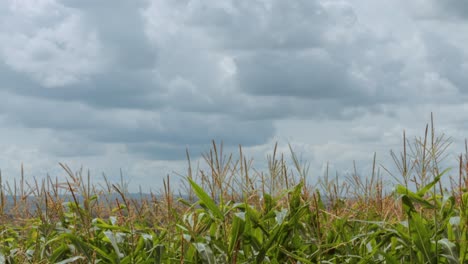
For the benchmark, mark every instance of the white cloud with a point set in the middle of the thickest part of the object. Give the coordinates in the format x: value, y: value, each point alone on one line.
x: 34, y: 8
x: 55, y: 57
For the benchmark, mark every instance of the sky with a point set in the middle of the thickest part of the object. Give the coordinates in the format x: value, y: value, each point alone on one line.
x: 131, y: 84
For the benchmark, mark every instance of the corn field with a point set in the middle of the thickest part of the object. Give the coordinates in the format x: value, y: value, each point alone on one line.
x: 232, y: 213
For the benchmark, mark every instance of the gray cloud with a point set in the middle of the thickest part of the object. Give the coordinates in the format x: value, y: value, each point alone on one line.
x: 55, y: 56
x: 261, y: 25
x: 457, y: 8
x: 113, y: 89
x: 140, y: 81
x: 69, y: 146
x: 139, y: 130
x: 120, y: 27
x: 300, y: 75
x: 448, y: 61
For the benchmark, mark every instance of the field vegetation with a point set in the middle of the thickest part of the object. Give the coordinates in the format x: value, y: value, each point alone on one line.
x: 232, y: 213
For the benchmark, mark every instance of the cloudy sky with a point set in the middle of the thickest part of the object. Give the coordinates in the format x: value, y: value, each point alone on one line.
x: 130, y: 84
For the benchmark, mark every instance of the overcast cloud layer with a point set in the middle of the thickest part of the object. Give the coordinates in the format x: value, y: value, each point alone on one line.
x: 131, y: 84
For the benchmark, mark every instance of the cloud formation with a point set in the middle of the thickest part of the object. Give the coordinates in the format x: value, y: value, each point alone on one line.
x: 119, y: 82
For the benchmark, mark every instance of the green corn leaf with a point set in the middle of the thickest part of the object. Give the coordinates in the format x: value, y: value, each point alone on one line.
x: 410, y: 197
x: 295, y: 256
x: 268, y: 202
x: 105, y: 226
x: 58, y: 253
x: 421, y: 192
x: 407, y: 204
x: 159, y: 255
x: 113, y: 240
x: 206, y: 253
x: 295, y: 201
x: 70, y: 260
x: 79, y: 244
x: 271, y: 241
x: 421, y: 236
x: 389, y: 258
x: 449, y: 249
x: 236, y: 230
x: 206, y: 200
x: 86, y: 248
